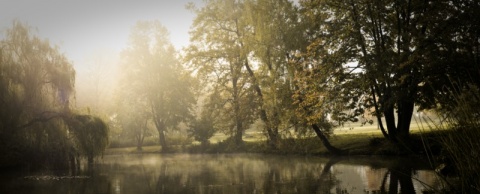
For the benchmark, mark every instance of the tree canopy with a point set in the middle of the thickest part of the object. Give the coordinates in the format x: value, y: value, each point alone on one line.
x: 389, y: 55
x: 217, y: 54
x: 36, y: 90
x: 154, y: 77
x: 287, y: 66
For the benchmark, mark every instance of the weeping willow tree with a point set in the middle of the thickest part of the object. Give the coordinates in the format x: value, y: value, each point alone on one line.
x: 90, y: 135
x: 36, y: 88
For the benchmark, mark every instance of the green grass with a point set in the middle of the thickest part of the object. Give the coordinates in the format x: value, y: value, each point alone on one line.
x: 354, y: 138
x: 354, y: 142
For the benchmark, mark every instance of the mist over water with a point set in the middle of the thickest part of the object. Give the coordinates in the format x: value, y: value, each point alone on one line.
x: 233, y: 173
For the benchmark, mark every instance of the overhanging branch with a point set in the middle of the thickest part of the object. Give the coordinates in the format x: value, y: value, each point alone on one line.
x: 44, y: 117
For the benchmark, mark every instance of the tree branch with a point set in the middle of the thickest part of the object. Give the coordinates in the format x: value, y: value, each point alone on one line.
x: 44, y: 117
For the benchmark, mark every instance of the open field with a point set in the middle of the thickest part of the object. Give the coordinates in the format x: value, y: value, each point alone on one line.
x: 374, y: 129
x: 347, y: 129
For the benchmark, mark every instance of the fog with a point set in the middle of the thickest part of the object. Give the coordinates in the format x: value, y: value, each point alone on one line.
x: 93, y: 33
x: 233, y: 173
x: 84, y: 79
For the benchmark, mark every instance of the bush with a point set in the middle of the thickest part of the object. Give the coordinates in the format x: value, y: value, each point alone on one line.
x: 202, y: 130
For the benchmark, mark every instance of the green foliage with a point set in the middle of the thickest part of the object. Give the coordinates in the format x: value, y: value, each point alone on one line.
x: 90, y: 135
x: 272, y: 30
x: 37, y: 128
x: 217, y: 54
x: 132, y: 116
x: 155, y: 80
x: 202, y: 130
x: 238, y: 50
x: 385, y: 55
x: 36, y: 86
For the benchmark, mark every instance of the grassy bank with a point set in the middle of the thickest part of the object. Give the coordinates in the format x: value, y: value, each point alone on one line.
x: 365, y: 143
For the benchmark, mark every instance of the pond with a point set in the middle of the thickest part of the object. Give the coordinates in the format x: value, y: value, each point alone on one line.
x: 233, y: 173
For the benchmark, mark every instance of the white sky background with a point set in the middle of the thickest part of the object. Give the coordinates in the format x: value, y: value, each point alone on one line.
x: 81, y: 27
x: 92, y: 33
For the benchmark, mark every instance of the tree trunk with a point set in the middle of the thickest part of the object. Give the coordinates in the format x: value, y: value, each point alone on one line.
x: 405, y: 112
x: 325, y: 141
x: 389, y: 114
x: 272, y: 131
x: 398, y: 129
x: 161, y: 134
x: 73, y: 165
x: 239, y: 133
x: 399, y: 132
x: 141, y: 136
x: 273, y: 139
x: 139, y: 141
x: 162, y: 139
x: 139, y: 146
x: 90, y: 159
x: 238, y: 137
x: 377, y: 113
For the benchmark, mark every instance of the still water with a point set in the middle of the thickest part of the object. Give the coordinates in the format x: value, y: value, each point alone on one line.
x: 231, y: 174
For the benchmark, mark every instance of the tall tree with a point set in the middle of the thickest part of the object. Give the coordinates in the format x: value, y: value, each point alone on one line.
x: 157, y: 78
x: 259, y: 34
x: 36, y: 118
x: 270, y: 31
x: 133, y: 117
x: 217, y: 55
x: 36, y: 86
x: 320, y: 103
x: 387, y: 50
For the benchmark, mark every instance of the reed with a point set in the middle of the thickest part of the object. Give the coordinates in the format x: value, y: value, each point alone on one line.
x: 461, y: 146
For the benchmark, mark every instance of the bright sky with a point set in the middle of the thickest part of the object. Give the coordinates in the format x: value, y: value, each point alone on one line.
x: 81, y: 27
x: 91, y: 33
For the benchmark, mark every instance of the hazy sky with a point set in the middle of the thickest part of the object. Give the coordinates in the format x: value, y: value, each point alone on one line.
x: 81, y: 27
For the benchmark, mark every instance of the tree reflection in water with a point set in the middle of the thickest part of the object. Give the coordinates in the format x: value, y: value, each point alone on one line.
x: 231, y: 174
x: 399, y: 176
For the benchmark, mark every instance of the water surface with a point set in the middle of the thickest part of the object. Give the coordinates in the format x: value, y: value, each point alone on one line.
x: 231, y: 174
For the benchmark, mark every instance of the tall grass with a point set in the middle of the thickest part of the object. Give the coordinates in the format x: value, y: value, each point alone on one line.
x: 461, y: 145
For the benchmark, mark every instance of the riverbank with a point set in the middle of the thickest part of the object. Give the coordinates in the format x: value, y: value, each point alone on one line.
x: 368, y: 148
x: 350, y: 143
